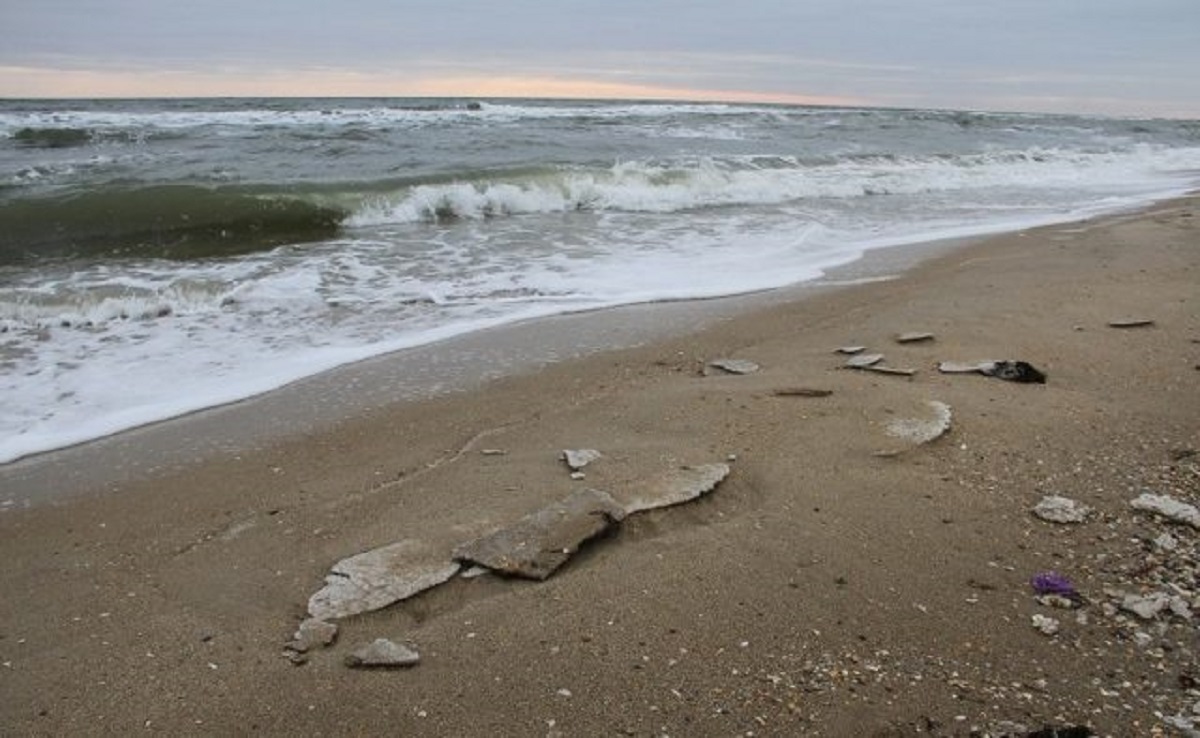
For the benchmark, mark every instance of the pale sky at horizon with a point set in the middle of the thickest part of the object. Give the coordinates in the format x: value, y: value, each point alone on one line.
x: 1115, y: 57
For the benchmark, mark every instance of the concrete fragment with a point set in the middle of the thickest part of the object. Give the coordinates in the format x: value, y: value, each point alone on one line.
x: 1146, y: 607
x: 967, y: 367
x: 1130, y: 323
x: 850, y: 350
x: 538, y: 544
x: 578, y: 458
x: 882, y: 369
x: 734, y: 366
x: 673, y: 487
x: 382, y: 653
x: 914, y: 337
x: 1059, y: 509
x: 858, y: 361
x: 377, y: 578
x: 1168, y: 507
x: 922, y: 430
x: 312, y: 633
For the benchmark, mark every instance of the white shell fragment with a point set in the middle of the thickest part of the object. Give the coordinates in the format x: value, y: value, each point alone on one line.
x: 673, y: 487
x: 735, y: 366
x: 860, y: 361
x: 377, y: 578
x: 1058, y: 509
x: 922, y: 430
x: 383, y: 653
x: 1168, y: 507
x: 578, y: 458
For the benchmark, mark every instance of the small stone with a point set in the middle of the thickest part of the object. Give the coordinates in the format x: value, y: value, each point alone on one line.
x: 1045, y: 625
x: 914, y: 337
x: 311, y: 633
x: 382, y: 653
x: 850, y: 350
x: 578, y: 458
x: 578, y: 476
x: 1062, y: 510
x: 493, y: 452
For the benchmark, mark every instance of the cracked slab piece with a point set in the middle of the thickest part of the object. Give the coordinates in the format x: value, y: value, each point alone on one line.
x: 674, y: 487
x: 922, y: 430
x: 579, y: 458
x: 378, y: 578
x: 382, y: 653
x: 1168, y: 507
x: 538, y: 544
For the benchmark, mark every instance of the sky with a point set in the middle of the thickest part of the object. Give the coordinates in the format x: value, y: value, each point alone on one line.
x: 1118, y: 57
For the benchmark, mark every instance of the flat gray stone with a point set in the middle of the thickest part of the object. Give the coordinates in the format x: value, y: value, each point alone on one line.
x: 734, y: 366
x: 1062, y: 510
x: 377, y: 578
x: 914, y: 337
x: 850, y: 350
x: 578, y: 458
x: 538, y: 544
x: 1168, y: 507
x: 673, y: 487
x: 382, y: 653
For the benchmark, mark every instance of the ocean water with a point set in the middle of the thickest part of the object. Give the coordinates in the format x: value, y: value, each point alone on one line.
x: 158, y: 257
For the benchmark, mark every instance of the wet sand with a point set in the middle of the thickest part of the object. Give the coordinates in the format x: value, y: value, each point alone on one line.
x: 823, y: 589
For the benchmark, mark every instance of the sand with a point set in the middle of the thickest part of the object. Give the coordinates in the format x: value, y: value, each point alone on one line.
x: 841, y: 581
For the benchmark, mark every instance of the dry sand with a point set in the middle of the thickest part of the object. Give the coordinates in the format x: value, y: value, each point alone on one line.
x: 822, y: 589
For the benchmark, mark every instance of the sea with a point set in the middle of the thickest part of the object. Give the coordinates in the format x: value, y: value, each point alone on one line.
x: 158, y: 257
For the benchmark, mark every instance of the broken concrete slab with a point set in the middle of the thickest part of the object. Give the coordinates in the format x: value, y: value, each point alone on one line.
x: 382, y: 653
x: 734, y: 366
x: 1062, y: 510
x: 923, y: 430
x: 378, y: 578
x: 576, y: 459
x: 312, y: 633
x: 1168, y: 507
x: 673, y: 487
x: 538, y: 544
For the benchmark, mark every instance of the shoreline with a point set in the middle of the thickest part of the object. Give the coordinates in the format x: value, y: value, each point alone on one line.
x: 467, y: 362
x: 824, y: 588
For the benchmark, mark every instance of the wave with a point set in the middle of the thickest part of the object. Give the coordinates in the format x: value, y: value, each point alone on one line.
x: 690, y: 184
x: 165, y: 221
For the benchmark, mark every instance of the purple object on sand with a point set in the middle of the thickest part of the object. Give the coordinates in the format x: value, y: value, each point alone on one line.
x: 1051, y: 582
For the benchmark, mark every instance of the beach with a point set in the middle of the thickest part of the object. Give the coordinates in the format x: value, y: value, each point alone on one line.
x: 842, y: 580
